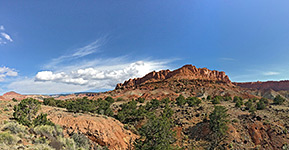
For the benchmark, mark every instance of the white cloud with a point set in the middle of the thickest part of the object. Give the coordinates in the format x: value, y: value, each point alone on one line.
x: 101, y: 77
x: 271, y: 73
x: 4, y: 37
x: 77, y: 53
x: 7, y: 72
x: 2, y: 28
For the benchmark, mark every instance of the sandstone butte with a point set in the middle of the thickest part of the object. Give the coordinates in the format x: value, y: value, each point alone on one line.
x: 274, y: 85
x: 186, y: 72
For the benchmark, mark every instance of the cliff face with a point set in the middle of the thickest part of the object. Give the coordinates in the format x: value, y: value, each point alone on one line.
x: 186, y: 72
x: 274, y: 85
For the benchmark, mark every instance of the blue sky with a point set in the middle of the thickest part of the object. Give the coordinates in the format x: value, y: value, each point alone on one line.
x: 73, y: 46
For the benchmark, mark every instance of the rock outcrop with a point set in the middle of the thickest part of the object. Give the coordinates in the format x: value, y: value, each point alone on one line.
x: 274, y: 85
x: 105, y: 131
x: 186, y: 72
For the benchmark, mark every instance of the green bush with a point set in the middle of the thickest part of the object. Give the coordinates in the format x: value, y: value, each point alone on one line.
x: 249, y: 104
x: 227, y: 98
x: 209, y: 97
x: 109, y: 99
x: 26, y: 110
x: 165, y: 100
x: 42, y: 120
x: 279, y: 100
x: 193, y: 101
x: 216, y: 100
x: 141, y: 100
x: 237, y: 98
x: 261, y: 105
x: 181, y: 100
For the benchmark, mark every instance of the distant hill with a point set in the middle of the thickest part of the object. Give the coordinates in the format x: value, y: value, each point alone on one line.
x: 274, y: 85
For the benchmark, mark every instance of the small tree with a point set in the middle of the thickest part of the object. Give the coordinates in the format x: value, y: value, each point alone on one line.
x: 261, y: 105
x: 278, y: 100
x: 141, y: 100
x: 216, y: 100
x: 209, y: 97
x: 157, y: 133
x: 218, y: 125
x: 42, y: 120
x: 181, y: 100
x: 249, y: 104
x: 109, y: 99
x: 193, y: 101
x: 26, y: 110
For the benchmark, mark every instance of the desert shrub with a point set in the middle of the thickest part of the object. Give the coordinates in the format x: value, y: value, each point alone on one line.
x: 119, y: 99
x: 40, y: 140
x: 216, y: 100
x: 152, y: 105
x: 237, y: 98
x: 26, y: 111
x: 42, y: 120
x: 165, y: 100
x: 157, y: 133
x: 45, y: 130
x: 141, y: 100
x: 7, y: 138
x: 181, y: 100
x: 193, y: 101
x: 264, y: 100
x: 6, y: 109
x: 249, y: 104
x: 252, y: 110
x: 209, y: 97
x: 279, y: 100
x: 81, y: 141
x: 68, y: 143
x: 218, y: 125
x: 14, y: 128
x: 239, y: 103
x: 109, y: 99
x: 227, y: 98
x: 40, y: 146
x: 261, y: 105
x: 14, y: 100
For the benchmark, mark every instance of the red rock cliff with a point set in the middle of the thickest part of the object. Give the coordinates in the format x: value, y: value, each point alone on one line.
x: 185, y: 72
x: 274, y: 85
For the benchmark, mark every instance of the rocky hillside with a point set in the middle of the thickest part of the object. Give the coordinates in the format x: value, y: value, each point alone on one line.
x: 274, y: 85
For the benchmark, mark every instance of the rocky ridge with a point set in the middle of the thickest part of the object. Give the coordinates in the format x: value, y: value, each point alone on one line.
x: 186, y: 72
x: 274, y: 85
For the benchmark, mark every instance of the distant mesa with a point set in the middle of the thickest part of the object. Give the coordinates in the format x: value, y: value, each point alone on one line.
x: 274, y: 85
x: 186, y: 72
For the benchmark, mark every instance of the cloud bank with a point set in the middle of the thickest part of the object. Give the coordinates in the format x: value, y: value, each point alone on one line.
x: 74, y: 72
x: 98, y: 78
